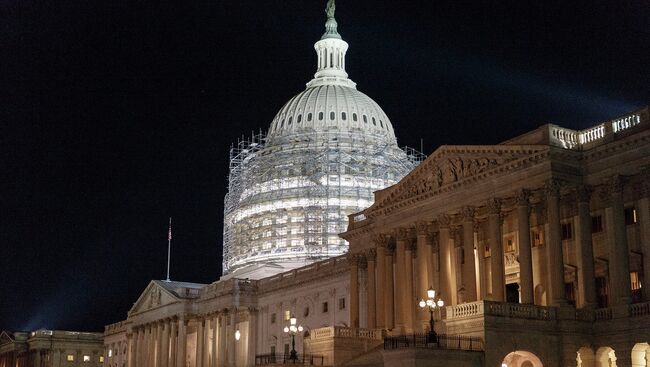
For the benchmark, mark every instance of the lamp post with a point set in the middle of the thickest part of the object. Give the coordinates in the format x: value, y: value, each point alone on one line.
x: 292, y: 330
x: 432, y: 303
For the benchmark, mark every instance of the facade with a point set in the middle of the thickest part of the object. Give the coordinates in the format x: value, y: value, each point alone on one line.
x: 327, y: 150
x: 51, y: 348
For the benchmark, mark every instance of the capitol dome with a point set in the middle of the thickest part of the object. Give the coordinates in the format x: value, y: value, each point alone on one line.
x: 290, y: 191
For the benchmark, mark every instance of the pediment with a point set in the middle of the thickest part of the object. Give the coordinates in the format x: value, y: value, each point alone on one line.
x: 154, y: 296
x: 451, y: 165
x: 6, y: 337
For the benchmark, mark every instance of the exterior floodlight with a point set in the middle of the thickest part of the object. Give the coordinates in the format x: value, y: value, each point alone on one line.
x: 237, y: 335
x: 293, y: 320
x: 286, y: 329
x: 431, y: 293
x: 441, y: 303
x: 431, y: 303
x: 422, y: 303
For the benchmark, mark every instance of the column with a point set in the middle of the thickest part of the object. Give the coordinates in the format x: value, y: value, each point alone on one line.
x: 400, y: 275
x: 142, y: 347
x: 353, y: 260
x: 381, y: 283
x: 555, y: 261
x: 173, y: 343
x: 37, y: 358
x: 159, y: 342
x: 213, y: 344
x: 181, y: 347
x: 389, y: 299
x: 447, y: 278
x: 164, y: 347
x: 525, y: 250
x: 643, y: 211
x: 584, y: 250
x: 232, y: 347
x: 149, y: 337
x: 409, y: 305
x: 221, y: 354
x: 371, y: 302
x: 199, y: 341
x: 480, y: 254
x: 206, y: 343
x: 619, y: 261
x: 133, y: 351
x: 496, y: 250
x: 423, y: 259
x: 469, y: 269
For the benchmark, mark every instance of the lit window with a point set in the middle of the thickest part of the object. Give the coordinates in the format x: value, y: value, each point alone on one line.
x: 287, y: 315
x: 635, y: 280
x: 101, y: 359
x: 70, y: 358
x: 110, y: 353
x: 86, y: 358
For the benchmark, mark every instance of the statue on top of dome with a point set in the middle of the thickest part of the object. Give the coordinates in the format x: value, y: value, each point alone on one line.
x: 330, y: 8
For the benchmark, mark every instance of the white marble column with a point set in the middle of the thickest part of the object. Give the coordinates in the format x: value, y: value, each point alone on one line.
x: 173, y: 343
x: 525, y: 250
x: 423, y: 267
x: 371, y: 256
x: 469, y: 268
x: 200, y: 341
x: 213, y: 343
x: 584, y: 251
x: 232, y: 346
x: 619, y: 261
x: 555, y: 259
x: 353, y: 260
x: 159, y: 343
x: 447, y: 279
x: 389, y: 299
x: 400, y: 281
x: 496, y: 250
x: 181, y: 347
x: 381, y: 283
x: 164, y: 347
x: 409, y: 304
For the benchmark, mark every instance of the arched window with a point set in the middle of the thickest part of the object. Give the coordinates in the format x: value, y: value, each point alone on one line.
x: 320, y: 116
x: 282, y: 123
x: 354, y: 117
x: 309, y: 116
x: 290, y: 120
x: 332, y: 115
x: 299, y: 120
x: 381, y: 123
x: 365, y: 119
x: 374, y: 122
x: 344, y: 116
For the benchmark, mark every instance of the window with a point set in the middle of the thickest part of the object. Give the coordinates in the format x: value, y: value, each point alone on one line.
x: 299, y: 119
x: 110, y: 353
x: 70, y: 358
x: 374, y: 122
x: 344, y: 116
x: 325, y: 306
x: 365, y: 119
x: 306, y: 312
x: 537, y: 238
x: 381, y: 123
x: 567, y: 231
x: 282, y: 123
x: 630, y: 216
x: 510, y: 245
x: 309, y: 116
x: 320, y: 116
x: 287, y: 315
x: 354, y: 117
x: 596, y: 224
x: 272, y: 318
x: 290, y: 120
x: 341, y: 303
x: 332, y: 115
x: 101, y: 359
x: 86, y: 358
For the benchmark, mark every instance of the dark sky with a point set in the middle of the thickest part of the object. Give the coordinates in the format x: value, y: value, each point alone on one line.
x: 116, y: 115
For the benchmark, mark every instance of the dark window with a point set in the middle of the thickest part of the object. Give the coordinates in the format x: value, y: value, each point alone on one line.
x: 602, y: 292
x: 282, y: 123
x: 325, y: 305
x: 344, y: 116
x: 596, y: 224
x: 630, y: 216
x: 320, y: 116
x: 365, y: 119
x: 354, y: 117
x: 374, y: 122
x: 309, y: 116
x: 290, y: 120
x: 567, y: 231
x: 306, y: 313
x: 272, y: 318
x: 341, y: 303
x: 381, y: 123
x: 332, y: 115
x: 299, y: 119
x: 570, y: 292
x: 512, y: 293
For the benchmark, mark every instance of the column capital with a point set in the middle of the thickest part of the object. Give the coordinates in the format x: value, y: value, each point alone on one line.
x: 494, y: 206
x: 615, y: 184
x: 583, y: 193
x: 468, y: 213
x: 422, y: 228
x: 402, y: 234
x: 522, y: 197
x: 552, y: 188
x: 642, y: 187
x: 411, y: 245
x: 354, y: 259
x: 380, y: 239
x: 371, y: 254
x: 444, y: 221
x: 390, y: 249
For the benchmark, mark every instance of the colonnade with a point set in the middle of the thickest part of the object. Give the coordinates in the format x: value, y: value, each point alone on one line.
x: 402, y: 264
x: 186, y: 341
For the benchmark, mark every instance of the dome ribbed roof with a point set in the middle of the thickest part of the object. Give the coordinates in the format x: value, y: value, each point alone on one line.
x: 327, y: 107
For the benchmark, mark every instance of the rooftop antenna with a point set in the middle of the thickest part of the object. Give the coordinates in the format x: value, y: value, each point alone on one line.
x: 169, y: 247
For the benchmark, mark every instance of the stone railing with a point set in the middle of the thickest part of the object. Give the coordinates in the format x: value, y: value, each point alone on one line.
x: 357, y: 220
x: 307, y: 273
x: 345, y: 332
x: 116, y: 327
x: 464, y: 310
x: 603, y: 314
x: 514, y: 310
x: 592, y: 134
x: 640, y: 309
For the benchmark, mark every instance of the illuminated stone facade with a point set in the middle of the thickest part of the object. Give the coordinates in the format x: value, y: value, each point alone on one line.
x: 51, y: 348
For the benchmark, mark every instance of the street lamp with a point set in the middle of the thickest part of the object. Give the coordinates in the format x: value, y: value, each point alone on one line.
x: 432, y: 303
x: 292, y: 330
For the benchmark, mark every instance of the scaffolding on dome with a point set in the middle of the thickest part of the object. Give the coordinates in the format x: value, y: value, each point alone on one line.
x: 289, y: 198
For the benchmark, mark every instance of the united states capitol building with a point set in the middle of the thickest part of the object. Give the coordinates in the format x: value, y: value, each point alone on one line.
x: 538, y: 248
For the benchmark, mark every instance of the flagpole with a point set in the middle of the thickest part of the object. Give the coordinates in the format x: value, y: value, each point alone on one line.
x: 169, y: 247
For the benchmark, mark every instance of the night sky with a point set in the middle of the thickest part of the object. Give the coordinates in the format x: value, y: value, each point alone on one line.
x: 119, y: 114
